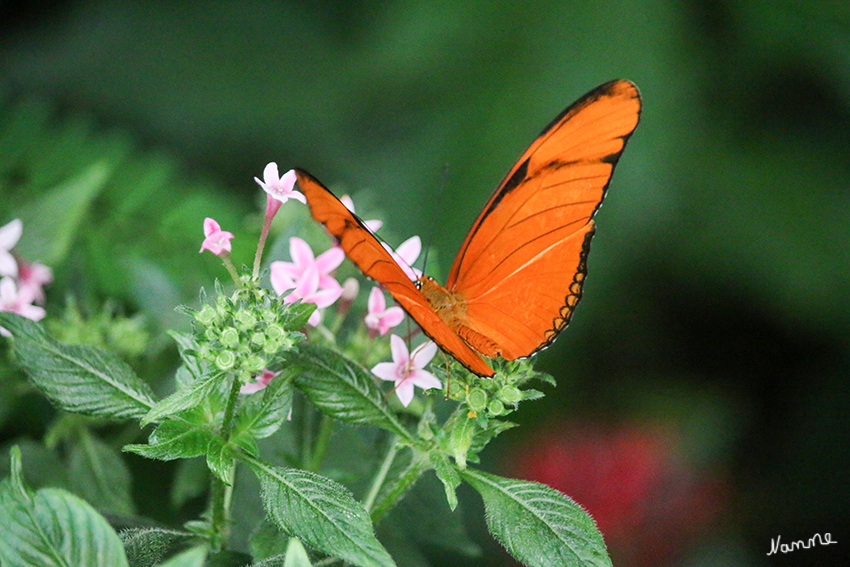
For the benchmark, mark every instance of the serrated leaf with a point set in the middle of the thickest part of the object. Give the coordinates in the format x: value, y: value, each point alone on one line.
x: 191, y: 364
x: 99, y: 474
x: 191, y: 395
x: 342, y: 389
x: 460, y: 439
x: 448, y: 475
x: 538, y: 525
x: 321, y: 513
x: 220, y: 459
x: 78, y: 379
x: 147, y: 546
x: 52, y: 527
x: 54, y: 218
x: 174, y: 439
x: 263, y: 413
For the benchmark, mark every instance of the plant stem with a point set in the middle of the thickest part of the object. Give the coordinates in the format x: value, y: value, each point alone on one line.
x: 381, y: 475
x: 220, y: 493
x: 402, y: 484
x: 320, y: 447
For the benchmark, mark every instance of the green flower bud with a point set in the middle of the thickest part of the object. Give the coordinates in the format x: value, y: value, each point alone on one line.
x: 259, y: 338
x: 275, y: 332
x: 495, y: 407
x: 268, y: 315
x: 225, y: 360
x: 206, y: 316
x: 229, y: 337
x: 245, y: 320
x: 271, y: 347
x: 477, y: 399
x: 510, y: 394
x: 254, y: 363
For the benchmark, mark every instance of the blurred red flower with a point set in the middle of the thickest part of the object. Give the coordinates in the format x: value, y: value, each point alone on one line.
x: 648, y: 502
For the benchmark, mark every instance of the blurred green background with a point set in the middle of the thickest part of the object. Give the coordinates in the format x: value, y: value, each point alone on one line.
x: 704, y: 379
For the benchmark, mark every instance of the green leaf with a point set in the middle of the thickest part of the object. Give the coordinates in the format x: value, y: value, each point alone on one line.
x: 296, y: 555
x: 194, y: 557
x: 78, y: 378
x: 220, y: 459
x: 147, y: 546
x: 174, y: 439
x: 263, y: 414
x: 321, y: 513
x: 296, y: 315
x: 52, y: 527
x: 460, y: 438
x: 53, y: 220
x: 191, y: 395
x: 448, y: 475
x: 342, y: 389
x: 538, y: 525
x: 98, y: 474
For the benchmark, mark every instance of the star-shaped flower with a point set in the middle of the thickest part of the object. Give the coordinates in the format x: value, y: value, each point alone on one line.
x: 217, y: 241
x: 9, y: 236
x: 380, y: 318
x: 17, y: 301
x: 281, y: 187
x: 285, y: 275
x: 307, y: 290
x: 406, y: 370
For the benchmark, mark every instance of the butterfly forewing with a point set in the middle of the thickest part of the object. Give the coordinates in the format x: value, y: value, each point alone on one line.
x: 522, y: 265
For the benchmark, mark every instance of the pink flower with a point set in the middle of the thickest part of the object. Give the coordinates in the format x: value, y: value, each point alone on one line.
x: 34, y: 277
x: 260, y: 382
x: 406, y: 254
x: 217, y: 241
x: 374, y: 225
x: 379, y: 317
x: 307, y: 290
x: 9, y: 236
x: 18, y: 301
x: 285, y: 275
x: 280, y: 187
x: 406, y: 370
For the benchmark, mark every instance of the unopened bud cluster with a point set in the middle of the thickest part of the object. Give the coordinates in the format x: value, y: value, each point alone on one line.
x: 491, y: 395
x: 247, y: 331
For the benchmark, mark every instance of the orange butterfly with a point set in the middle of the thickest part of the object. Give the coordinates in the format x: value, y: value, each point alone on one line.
x: 519, y: 274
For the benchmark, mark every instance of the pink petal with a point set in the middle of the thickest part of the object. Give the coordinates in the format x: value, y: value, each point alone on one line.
x: 328, y: 282
x: 308, y: 284
x: 10, y: 233
x: 300, y: 252
x: 281, y: 280
x: 8, y: 265
x: 392, y: 318
x: 399, y: 350
x: 315, y: 318
x: 424, y: 380
x: 324, y: 297
x: 404, y: 391
x: 410, y: 249
x: 423, y: 354
x: 386, y: 371
x: 210, y: 226
x: 376, y: 303
x: 329, y: 260
x: 270, y: 174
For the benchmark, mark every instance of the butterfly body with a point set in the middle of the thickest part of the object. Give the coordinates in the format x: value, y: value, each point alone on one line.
x: 519, y: 274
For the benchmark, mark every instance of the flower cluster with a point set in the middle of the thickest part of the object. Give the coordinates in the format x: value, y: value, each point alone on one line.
x: 236, y: 339
x: 246, y: 332
x: 21, y: 282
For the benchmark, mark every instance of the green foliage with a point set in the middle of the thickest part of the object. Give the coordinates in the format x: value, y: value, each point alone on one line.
x: 321, y: 512
x: 80, y: 379
x: 51, y: 527
x: 538, y: 525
